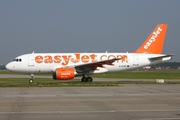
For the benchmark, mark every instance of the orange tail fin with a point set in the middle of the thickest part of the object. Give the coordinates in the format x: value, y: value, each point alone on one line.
x: 154, y: 43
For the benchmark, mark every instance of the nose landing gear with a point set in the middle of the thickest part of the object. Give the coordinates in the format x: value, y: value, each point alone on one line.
x: 31, y: 79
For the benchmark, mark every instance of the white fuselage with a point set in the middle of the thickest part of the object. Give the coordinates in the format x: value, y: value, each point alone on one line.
x: 48, y: 62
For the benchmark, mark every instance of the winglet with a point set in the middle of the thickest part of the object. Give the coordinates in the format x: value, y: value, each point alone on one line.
x: 154, y: 43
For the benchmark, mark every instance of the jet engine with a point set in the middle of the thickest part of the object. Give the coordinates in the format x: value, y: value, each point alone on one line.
x: 64, y: 74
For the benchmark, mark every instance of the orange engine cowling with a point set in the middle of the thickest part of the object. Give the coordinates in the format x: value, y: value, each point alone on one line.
x: 64, y: 74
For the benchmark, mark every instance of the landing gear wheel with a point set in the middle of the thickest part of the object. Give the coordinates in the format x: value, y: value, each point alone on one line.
x: 89, y: 79
x: 31, y: 81
x: 84, y: 79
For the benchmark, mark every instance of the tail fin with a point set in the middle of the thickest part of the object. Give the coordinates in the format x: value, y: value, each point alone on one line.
x: 154, y: 43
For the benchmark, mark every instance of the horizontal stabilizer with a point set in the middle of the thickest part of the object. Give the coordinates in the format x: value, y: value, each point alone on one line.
x: 161, y: 57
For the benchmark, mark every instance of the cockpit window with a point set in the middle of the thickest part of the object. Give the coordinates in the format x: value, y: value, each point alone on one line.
x: 17, y: 60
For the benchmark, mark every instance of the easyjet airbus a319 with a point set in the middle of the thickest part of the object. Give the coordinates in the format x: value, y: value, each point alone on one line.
x: 66, y: 66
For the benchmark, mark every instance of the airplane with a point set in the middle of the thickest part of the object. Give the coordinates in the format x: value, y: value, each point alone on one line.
x: 66, y: 66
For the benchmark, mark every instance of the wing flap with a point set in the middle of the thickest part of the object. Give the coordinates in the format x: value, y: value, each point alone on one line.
x: 98, y: 63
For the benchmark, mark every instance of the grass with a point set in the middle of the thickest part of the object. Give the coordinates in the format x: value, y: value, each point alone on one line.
x: 49, y: 82
x: 77, y: 84
x: 139, y: 74
x: 155, y: 74
x: 60, y: 84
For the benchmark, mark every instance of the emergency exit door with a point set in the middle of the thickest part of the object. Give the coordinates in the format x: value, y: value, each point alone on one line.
x: 31, y: 60
x: 135, y: 60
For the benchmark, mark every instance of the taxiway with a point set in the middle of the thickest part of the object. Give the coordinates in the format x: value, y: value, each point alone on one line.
x: 126, y: 102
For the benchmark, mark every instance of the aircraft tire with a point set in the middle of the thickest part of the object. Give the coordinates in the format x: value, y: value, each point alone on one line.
x: 89, y: 79
x: 84, y: 79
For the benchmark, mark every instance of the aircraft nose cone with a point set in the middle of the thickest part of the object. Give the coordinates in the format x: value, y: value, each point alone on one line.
x: 9, y: 66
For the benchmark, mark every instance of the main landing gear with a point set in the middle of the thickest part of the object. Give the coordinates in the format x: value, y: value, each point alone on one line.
x: 31, y: 79
x: 86, y: 79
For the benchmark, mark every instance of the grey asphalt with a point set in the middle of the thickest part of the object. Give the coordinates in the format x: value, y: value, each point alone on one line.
x: 125, y: 102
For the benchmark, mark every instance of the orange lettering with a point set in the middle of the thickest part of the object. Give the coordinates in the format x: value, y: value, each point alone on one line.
x: 124, y: 58
x: 39, y: 59
x: 111, y: 57
x: 85, y: 59
x: 57, y: 59
x: 77, y: 58
x: 48, y: 59
x: 66, y: 59
x: 93, y: 58
x: 101, y: 58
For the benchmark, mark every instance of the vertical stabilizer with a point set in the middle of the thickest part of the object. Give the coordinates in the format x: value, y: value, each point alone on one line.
x: 155, y: 41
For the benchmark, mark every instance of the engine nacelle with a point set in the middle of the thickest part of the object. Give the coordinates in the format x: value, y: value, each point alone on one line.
x: 64, y: 74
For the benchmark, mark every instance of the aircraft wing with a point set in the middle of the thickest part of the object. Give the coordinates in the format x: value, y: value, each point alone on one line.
x: 93, y: 66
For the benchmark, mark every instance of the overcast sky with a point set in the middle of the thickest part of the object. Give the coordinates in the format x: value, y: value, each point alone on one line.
x: 85, y: 26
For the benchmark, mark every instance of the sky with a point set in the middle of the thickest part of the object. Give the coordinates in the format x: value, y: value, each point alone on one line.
x: 63, y: 26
